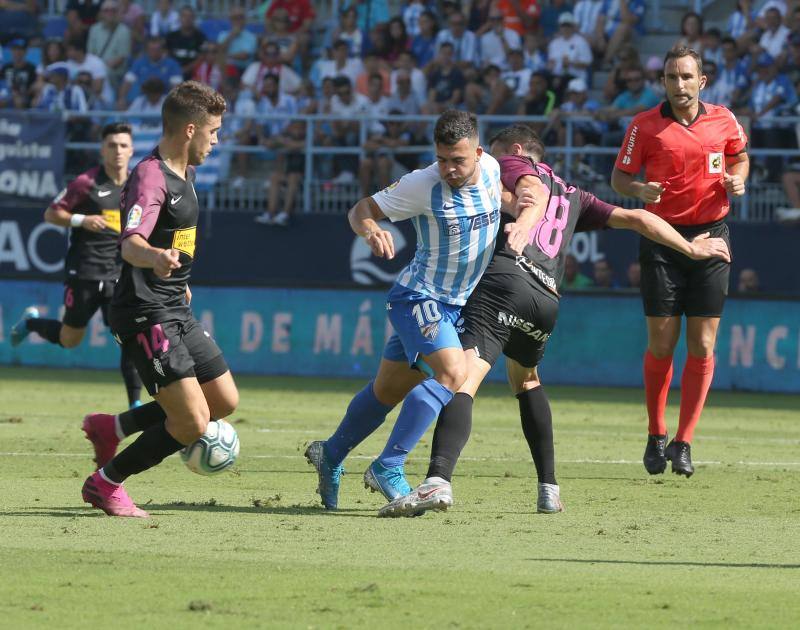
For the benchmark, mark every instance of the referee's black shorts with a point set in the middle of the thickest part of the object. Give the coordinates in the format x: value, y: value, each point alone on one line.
x: 507, y: 314
x: 673, y: 284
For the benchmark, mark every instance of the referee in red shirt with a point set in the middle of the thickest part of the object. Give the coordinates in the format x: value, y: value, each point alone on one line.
x: 693, y: 155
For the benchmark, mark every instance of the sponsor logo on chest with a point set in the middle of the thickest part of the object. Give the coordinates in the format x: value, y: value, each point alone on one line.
x: 184, y: 240
x: 112, y: 219
x: 456, y: 226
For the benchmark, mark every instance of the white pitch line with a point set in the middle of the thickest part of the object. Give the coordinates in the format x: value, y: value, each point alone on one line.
x: 623, y: 462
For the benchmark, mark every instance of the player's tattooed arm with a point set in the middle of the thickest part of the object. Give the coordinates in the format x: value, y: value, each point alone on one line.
x: 364, y: 217
x: 139, y: 253
x: 656, y: 229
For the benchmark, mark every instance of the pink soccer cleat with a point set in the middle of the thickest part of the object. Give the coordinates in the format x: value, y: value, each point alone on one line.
x: 110, y: 498
x: 100, y: 431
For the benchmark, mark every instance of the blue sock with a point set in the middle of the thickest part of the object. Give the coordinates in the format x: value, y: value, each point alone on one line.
x: 364, y: 414
x: 420, y: 408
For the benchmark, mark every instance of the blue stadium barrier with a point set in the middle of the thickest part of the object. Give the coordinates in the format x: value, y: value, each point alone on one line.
x: 146, y: 137
x: 599, y: 339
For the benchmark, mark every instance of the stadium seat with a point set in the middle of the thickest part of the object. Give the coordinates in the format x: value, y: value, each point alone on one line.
x: 256, y: 29
x: 212, y: 27
x: 54, y: 27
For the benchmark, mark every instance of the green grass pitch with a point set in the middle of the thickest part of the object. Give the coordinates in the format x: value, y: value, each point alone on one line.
x: 255, y: 549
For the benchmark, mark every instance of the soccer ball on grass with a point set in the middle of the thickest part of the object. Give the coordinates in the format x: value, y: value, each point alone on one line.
x: 215, y: 451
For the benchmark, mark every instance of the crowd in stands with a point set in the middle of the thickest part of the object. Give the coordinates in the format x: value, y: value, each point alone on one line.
x: 551, y: 58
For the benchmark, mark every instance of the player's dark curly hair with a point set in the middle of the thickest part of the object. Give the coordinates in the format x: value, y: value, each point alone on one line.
x: 190, y: 102
x: 116, y: 127
x: 523, y: 135
x: 679, y: 52
x: 454, y: 125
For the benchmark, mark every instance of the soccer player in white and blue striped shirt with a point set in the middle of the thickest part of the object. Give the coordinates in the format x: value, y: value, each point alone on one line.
x: 455, y: 207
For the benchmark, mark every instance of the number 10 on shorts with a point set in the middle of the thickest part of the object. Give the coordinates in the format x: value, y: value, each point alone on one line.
x: 426, y: 312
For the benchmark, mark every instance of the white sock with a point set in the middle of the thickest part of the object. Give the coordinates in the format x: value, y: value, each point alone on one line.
x: 438, y: 480
x: 118, y: 429
x: 105, y: 478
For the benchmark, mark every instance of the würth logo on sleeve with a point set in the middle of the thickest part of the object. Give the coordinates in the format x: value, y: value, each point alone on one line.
x: 626, y: 159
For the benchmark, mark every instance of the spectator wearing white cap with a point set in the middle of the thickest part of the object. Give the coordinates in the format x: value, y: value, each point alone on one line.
x: 569, y: 53
x: 584, y: 132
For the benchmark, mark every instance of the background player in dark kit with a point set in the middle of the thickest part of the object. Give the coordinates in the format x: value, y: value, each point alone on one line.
x: 89, y: 206
x: 694, y: 157
x: 513, y: 311
x: 180, y: 365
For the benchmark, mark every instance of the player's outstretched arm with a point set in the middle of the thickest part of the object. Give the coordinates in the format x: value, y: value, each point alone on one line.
x: 364, y: 217
x: 139, y: 253
x: 625, y: 184
x: 656, y: 229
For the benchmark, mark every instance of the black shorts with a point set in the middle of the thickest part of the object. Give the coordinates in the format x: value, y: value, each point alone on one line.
x: 82, y: 298
x: 507, y: 314
x: 170, y: 351
x: 674, y: 284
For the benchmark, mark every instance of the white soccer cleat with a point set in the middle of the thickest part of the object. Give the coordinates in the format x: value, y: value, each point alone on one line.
x: 549, y: 500
x: 432, y: 494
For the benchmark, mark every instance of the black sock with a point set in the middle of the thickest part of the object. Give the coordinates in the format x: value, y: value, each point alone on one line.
x: 49, y: 329
x: 133, y: 384
x: 537, y: 425
x: 451, y: 434
x: 141, y: 418
x: 149, y: 449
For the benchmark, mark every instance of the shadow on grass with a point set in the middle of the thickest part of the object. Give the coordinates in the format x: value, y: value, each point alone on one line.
x: 163, y: 509
x: 675, y: 563
x: 302, y: 385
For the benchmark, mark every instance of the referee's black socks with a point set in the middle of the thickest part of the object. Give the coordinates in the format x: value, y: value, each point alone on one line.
x: 537, y: 425
x: 451, y: 434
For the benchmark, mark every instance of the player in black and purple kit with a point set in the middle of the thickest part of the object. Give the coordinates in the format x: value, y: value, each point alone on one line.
x: 89, y: 206
x: 180, y: 365
x: 513, y: 311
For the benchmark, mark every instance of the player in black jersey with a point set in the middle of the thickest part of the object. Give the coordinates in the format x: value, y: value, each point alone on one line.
x: 90, y: 207
x: 513, y: 311
x: 180, y: 365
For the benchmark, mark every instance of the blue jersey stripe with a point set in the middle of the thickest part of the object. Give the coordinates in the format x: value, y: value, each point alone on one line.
x: 444, y: 239
x: 487, y: 235
x: 467, y: 238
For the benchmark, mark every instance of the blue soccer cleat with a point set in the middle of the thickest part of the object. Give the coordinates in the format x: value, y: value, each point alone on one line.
x: 390, y: 482
x: 135, y: 404
x: 329, y: 476
x: 20, y: 330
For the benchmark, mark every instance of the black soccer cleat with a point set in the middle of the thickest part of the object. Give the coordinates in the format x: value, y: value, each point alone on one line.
x: 654, y: 461
x: 680, y: 454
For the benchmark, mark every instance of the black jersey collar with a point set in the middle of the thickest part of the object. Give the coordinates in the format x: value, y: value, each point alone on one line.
x: 666, y: 112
